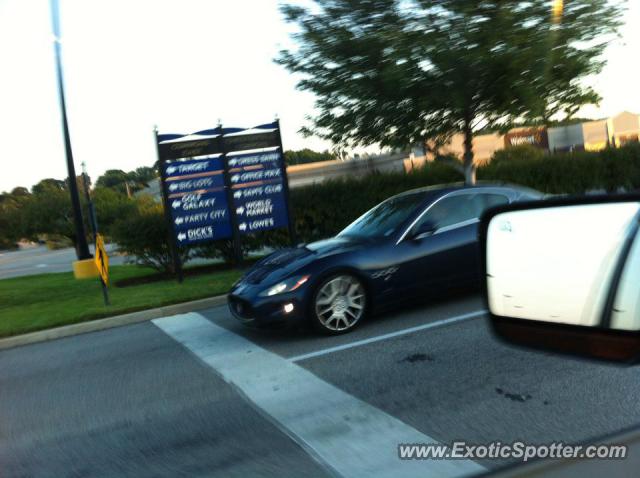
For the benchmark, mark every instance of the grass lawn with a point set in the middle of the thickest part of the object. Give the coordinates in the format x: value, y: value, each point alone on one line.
x: 49, y: 300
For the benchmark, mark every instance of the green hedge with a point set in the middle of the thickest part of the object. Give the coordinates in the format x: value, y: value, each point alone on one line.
x: 324, y: 209
x: 518, y: 153
x: 569, y: 173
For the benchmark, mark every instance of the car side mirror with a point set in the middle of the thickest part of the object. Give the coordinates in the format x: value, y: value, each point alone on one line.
x: 564, y: 275
x: 426, y: 228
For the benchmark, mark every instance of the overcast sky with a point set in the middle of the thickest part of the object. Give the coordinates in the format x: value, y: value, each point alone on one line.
x: 181, y: 65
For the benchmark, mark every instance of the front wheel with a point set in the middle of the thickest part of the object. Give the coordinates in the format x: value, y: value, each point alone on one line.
x: 339, y: 304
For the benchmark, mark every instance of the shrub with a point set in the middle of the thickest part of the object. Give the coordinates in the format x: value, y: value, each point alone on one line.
x: 111, y: 206
x: 224, y: 249
x: 322, y: 210
x: 517, y: 153
x: 621, y: 167
x: 143, y: 234
x: 571, y: 173
x: 306, y: 156
x: 7, y: 244
x: 55, y: 242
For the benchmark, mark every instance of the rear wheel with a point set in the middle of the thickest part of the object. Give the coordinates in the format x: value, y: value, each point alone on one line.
x: 339, y: 304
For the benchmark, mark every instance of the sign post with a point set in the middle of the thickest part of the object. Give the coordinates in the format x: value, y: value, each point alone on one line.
x: 100, y: 258
x: 177, y: 263
x: 102, y: 263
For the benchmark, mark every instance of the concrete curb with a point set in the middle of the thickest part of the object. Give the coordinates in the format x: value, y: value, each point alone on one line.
x: 111, y: 322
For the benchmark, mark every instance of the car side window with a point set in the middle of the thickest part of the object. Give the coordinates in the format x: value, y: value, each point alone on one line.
x: 452, y: 210
x: 489, y: 200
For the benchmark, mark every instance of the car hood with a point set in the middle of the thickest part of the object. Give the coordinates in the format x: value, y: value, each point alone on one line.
x: 285, y: 262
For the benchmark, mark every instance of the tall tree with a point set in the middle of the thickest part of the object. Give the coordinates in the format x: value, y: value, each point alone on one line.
x: 49, y: 212
x: 126, y: 182
x: 400, y: 72
x: 11, y: 220
x: 306, y: 155
x: 115, y: 179
x: 49, y: 184
x: 144, y: 174
x: 20, y: 191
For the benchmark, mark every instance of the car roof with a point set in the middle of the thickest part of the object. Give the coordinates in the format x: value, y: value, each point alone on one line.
x: 435, y: 191
x: 426, y: 195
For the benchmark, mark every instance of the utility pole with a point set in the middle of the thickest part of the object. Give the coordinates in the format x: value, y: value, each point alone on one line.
x: 92, y: 211
x: 82, y: 249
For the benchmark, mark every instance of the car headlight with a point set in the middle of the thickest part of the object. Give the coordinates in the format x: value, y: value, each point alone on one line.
x: 287, y: 285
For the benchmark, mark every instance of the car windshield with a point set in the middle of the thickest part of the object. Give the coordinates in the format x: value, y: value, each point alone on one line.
x: 384, y: 219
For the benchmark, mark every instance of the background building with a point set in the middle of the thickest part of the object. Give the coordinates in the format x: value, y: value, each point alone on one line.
x: 587, y: 136
x: 624, y: 128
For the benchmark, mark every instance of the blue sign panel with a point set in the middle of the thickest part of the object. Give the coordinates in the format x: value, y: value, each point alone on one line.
x: 198, y: 202
x: 271, y: 159
x: 194, y: 235
x: 200, y: 217
x: 273, y: 188
x: 248, y: 176
x: 192, y: 167
x: 194, y: 175
x: 186, y: 184
x: 260, y: 206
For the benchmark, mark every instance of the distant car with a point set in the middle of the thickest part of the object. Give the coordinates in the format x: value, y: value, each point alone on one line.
x: 406, y: 247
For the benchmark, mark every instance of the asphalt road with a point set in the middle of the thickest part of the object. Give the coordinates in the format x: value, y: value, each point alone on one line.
x: 199, y: 395
x: 40, y: 260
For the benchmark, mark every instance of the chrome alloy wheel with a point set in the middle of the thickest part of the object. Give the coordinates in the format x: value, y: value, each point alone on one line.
x: 340, y: 303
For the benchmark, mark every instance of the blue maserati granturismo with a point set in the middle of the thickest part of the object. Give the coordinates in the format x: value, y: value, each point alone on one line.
x: 412, y: 245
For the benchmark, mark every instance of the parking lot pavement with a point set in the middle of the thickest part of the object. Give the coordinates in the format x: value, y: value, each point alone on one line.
x: 132, y: 402
x: 40, y: 260
x: 458, y: 382
x: 33, y: 260
x: 439, y: 369
x: 199, y: 394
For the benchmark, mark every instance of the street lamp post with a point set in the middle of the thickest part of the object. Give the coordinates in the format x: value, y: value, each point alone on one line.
x: 82, y: 249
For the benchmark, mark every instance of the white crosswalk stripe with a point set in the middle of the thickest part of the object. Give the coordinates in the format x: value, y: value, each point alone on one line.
x: 349, y: 436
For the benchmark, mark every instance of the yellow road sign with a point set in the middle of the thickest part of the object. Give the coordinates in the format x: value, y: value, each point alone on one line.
x: 102, y: 259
